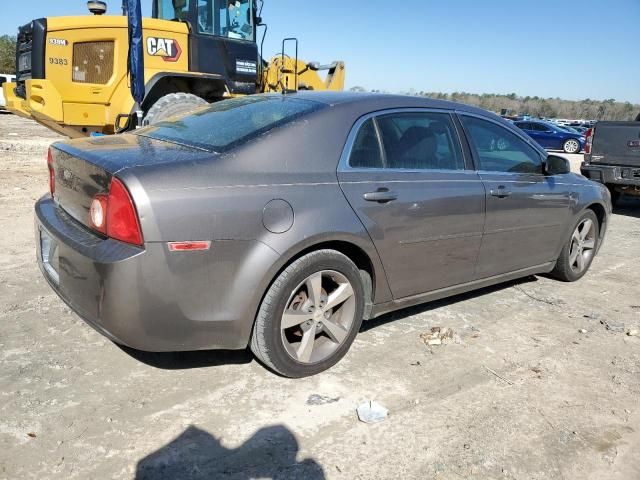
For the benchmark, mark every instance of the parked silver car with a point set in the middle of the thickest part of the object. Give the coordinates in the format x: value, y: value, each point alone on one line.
x: 281, y: 222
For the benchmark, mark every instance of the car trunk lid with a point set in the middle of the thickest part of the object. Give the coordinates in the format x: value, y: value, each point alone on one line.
x: 83, y: 168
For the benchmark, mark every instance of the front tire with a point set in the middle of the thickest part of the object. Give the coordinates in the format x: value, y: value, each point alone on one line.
x: 571, y: 145
x: 578, y: 251
x: 310, y: 315
x: 171, y: 105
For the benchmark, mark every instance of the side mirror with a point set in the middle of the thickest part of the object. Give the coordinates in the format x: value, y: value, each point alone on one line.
x: 555, y: 165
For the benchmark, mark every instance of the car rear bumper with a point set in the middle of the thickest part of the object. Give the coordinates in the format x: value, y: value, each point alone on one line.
x: 611, y: 174
x: 149, y: 298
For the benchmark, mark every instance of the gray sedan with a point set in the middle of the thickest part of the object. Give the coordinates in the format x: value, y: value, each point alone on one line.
x: 281, y: 222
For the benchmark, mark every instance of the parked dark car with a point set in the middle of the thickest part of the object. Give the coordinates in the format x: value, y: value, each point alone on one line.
x: 612, y: 157
x: 281, y: 222
x: 552, y: 136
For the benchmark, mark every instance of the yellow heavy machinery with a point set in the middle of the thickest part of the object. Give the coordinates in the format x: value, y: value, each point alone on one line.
x: 72, y: 72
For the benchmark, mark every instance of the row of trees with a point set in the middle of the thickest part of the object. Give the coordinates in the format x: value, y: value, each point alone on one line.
x: 7, y: 54
x: 586, y: 109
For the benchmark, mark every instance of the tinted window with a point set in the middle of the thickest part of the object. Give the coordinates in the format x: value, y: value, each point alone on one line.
x: 227, y: 123
x: 420, y: 141
x: 499, y: 150
x: 540, y: 127
x: 523, y: 125
x: 366, y: 148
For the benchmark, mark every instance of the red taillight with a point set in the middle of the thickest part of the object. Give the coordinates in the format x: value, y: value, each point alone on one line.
x: 52, y: 174
x: 589, y: 141
x: 115, y: 215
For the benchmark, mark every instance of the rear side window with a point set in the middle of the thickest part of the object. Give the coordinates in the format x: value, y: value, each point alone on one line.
x: 228, y: 123
x: 499, y: 150
x: 408, y: 141
x: 366, y: 151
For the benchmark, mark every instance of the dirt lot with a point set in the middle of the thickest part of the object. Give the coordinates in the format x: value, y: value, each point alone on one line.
x: 525, y: 394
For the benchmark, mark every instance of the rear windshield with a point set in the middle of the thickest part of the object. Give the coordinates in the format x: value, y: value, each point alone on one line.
x: 226, y: 124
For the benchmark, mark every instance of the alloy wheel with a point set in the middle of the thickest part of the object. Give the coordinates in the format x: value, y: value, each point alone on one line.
x: 583, y: 244
x: 571, y: 146
x: 318, y: 316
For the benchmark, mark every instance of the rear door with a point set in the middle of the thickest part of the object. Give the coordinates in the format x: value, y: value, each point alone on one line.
x: 527, y: 211
x: 404, y: 174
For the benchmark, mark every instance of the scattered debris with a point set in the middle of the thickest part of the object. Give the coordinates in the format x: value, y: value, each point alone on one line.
x: 498, y: 375
x: 467, y: 446
x: 439, y: 335
x: 613, y: 327
x: 592, y: 316
x: 316, y: 399
x: 583, y: 330
x: 371, y: 412
x: 633, y: 332
x: 31, y: 434
x: 416, y: 364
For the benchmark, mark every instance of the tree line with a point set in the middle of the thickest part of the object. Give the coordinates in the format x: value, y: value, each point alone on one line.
x: 7, y: 54
x: 586, y: 109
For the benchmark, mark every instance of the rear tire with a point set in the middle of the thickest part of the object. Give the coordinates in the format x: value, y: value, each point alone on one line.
x: 171, y: 105
x: 579, y: 249
x: 571, y: 145
x: 292, y: 316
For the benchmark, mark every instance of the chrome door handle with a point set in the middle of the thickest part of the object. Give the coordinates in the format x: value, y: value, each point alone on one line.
x: 382, y: 195
x: 500, y: 192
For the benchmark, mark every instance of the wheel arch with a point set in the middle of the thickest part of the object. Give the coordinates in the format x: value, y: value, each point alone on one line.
x: 374, y: 278
x: 601, y: 215
x: 210, y: 87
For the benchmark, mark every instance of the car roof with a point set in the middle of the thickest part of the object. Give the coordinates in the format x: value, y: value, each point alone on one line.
x: 380, y: 101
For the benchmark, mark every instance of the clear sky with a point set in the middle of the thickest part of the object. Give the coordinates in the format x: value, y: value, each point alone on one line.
x: 572, y: 49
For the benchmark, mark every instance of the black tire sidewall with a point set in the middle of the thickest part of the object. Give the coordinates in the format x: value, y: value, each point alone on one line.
x: 171, y: 105
x: 273, y: 339
x: 571, y: 275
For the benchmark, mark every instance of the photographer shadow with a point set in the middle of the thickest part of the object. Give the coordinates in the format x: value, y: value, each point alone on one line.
x: 195, y: 454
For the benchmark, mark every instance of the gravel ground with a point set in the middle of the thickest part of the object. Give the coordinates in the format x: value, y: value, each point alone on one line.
x: 537, y: 386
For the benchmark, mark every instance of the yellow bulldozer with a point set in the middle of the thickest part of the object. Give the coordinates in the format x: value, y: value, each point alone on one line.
x: 72, y: 72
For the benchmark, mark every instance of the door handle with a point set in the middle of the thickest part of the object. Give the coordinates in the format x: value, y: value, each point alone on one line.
x: 500, y: 192
x: 382, y: 195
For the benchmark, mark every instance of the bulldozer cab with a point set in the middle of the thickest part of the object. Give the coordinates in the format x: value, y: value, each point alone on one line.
x: 222, y: 38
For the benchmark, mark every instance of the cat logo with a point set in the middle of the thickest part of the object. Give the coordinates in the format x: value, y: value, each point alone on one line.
x: 167, y: 48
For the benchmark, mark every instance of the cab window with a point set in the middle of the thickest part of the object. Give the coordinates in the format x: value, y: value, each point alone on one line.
x: 226, y: 18
x: 174, y: 10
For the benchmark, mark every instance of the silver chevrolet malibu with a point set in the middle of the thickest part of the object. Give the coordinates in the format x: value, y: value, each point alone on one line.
x: 281, y: 222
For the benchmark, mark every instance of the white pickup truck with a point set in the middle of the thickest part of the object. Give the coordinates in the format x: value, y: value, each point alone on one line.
x: 5, y: 77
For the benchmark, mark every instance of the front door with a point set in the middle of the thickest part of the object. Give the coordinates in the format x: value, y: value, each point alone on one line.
x: 527, y: 211
x: 405, y: 177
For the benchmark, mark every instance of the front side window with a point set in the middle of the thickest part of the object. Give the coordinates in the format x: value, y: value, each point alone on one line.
x: 174, y: 10
x: 499, y: 150
x: 226, y: 18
